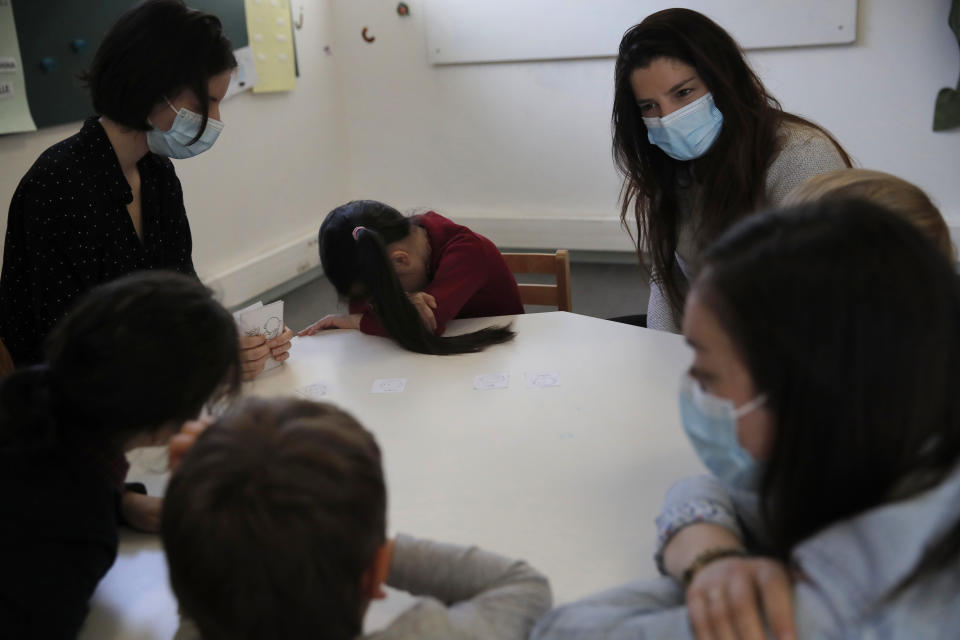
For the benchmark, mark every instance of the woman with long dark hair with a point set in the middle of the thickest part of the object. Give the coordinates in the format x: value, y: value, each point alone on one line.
x: 407, y: 277
x: 700, y: 143
x: 122, y: 371
x: 107, y: 202
x: 822, y: 398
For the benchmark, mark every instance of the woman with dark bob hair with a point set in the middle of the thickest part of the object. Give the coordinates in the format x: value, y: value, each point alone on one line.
x: 823, y: 399
x: 106, y: 201
x: 700, y: 144
x: 114, y: 379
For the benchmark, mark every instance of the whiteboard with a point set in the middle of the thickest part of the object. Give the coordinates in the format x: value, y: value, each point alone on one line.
x: 464, y: 31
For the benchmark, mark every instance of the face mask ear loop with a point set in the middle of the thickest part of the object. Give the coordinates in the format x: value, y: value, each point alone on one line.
x: 170, y: 104
x: 757, y: 402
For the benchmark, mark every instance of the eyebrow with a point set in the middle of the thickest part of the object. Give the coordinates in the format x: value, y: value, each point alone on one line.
x: 680, y: 84
x: 670, y: 90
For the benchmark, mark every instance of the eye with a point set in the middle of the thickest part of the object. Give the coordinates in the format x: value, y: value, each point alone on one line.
x: 683, y: 93
x: 645, y: 107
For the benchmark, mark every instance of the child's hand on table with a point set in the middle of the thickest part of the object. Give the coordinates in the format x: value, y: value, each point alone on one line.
x: 351, y: 321
x: 425, y: 305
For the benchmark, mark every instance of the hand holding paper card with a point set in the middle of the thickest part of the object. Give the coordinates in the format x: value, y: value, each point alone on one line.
x: 260, y: 320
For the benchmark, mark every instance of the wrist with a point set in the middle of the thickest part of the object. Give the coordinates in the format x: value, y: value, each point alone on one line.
x: 707, y: 557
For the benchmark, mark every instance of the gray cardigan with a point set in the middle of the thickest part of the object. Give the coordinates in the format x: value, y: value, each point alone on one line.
x: 805, y: 152
x: 850, y: 572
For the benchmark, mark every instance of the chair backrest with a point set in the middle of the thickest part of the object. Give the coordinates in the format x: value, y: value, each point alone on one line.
x: 558, y: 264
x: 6, y: 362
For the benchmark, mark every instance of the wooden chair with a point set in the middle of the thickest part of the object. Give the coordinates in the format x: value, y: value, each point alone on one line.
x: 6, y: 362
x: 558, y: 264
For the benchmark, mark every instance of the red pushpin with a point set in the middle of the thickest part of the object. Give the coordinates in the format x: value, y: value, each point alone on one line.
x: 403, y: 10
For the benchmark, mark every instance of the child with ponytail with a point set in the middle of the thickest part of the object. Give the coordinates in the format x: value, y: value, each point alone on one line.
x: 407, y: 277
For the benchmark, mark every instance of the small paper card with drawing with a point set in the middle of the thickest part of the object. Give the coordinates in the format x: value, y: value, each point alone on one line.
x: 260, y: 320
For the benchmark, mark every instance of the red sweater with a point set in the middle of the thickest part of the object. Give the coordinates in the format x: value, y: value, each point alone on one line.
x: 470, y: 278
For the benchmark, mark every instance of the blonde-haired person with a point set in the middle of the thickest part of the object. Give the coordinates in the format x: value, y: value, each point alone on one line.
x: 895, y: 194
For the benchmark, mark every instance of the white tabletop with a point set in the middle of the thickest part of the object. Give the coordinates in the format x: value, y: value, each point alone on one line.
x: 568, y: 477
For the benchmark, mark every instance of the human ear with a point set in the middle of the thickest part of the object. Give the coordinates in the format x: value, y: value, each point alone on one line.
x: 400, y: 260
x: 376, y: 575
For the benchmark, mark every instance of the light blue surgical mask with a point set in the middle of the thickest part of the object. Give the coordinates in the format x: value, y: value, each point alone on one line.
x: 689, y: 132
x: 174, y: 142
x: 711, y: 424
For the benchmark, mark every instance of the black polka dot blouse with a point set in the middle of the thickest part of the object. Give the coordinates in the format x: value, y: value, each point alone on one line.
x: 69, y: 230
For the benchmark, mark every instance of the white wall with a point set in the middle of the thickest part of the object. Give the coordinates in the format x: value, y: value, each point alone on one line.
x: 257, y: 198
x: 492, y: 143
x: 520, y: 151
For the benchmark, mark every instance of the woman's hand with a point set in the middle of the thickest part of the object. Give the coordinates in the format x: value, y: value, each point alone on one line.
x: 425, y: 305
x: 730, y: 598
x: 256, y: 350
x: 140, y: 511
x: 184, y: 439
x: 351, y: 321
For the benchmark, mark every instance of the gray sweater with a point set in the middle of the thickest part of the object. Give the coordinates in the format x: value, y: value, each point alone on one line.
x: 805, y: 152
x: 850, y: 573
x: 467, y: 593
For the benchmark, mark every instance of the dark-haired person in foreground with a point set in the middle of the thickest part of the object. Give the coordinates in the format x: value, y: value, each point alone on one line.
x: 274, y: 527
x: 106, y: 201
x: 114, y: 379
x: 407, y: 277
x: 823, y: 399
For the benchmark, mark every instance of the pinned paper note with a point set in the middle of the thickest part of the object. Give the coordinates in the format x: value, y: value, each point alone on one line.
x: 389, y: 385
x: 547, y: 379
x: 272, y: 44
x: 315, y: 391
x: 487, y: 381
x: 260, y: 320
x: 15, y: 113
x: 245, y: 75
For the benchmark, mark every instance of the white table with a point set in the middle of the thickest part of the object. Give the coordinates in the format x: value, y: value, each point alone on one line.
x: 568, y: 477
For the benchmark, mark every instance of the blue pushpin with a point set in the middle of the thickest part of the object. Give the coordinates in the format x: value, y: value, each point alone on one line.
x: 48, y: 64
x: 78, y: 45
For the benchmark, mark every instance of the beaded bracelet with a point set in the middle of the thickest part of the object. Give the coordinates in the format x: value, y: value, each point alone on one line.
x: 706, y: 558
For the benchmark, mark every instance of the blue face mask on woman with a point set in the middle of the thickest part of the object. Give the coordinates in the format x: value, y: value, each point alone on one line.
x: 689, y: 132
x: 174, y: 142
x: 711, y: 424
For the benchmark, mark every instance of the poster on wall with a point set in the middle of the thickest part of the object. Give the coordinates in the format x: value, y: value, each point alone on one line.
x: 271, y: 38
x: 14, y: 109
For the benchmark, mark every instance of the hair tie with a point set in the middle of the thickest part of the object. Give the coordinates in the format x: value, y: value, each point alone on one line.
x: 356, y: 232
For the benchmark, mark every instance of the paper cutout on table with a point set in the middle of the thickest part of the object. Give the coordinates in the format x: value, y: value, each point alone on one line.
x: 245, y: 76
x: 15, y: 113
x: 315, y: 391
x: 260, y: 320
x: 545, y: 379
x: 271, y: 31
x: 389, y: 385
x: 487, y: 381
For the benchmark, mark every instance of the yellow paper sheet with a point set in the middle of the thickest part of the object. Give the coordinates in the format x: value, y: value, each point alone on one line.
x: 14, y: 110
x: 268, y: 26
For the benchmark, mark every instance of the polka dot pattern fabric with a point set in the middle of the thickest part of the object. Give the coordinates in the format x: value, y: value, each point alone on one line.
x: 68, y: 230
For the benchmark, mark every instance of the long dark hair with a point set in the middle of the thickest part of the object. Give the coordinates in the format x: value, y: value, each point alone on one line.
x: 299, y: 478
x: 360, y: 269
x: 154, y: 50
x: 731, y: 174
x: 849, y: 321
x: 133, y: 355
